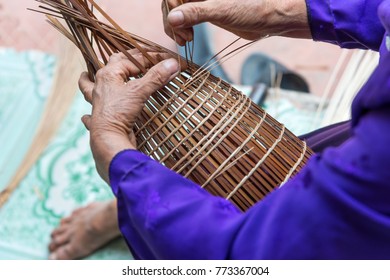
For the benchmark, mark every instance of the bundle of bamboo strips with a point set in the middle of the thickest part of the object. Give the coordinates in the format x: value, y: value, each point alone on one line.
x: 197, y: 125
x: 359, y: 65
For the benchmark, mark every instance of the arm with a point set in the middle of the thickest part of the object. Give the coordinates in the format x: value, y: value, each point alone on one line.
x: 337, y: 202
x: 249, y: 19
x: 349, y: 24
x: 337, y: 207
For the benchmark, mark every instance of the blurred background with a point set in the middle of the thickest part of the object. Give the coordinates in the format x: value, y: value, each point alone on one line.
x: 25, y: 30
x: 44, y: 152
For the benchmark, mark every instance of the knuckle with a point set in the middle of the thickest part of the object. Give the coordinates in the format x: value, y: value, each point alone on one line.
x: 134, y: 51
x: 109, y: 72
x: 196, y: 11
x: 138, y: 56
x: 158, y: 78
x: 100, y: 74
x: 115, y: 56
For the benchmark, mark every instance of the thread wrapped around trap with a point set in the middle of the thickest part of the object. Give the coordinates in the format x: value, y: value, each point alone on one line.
x: 198, y: 125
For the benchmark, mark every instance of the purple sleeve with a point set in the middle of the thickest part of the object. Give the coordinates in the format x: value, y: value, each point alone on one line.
x: 165, y: 216
x: 349, y: 24
x: 336, y: 208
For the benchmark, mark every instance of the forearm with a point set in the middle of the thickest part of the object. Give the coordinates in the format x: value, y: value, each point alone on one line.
x: 287, y: 18
x: 104, y: 147
x: 249, y: 19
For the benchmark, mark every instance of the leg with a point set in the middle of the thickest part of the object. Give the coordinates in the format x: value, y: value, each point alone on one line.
x: 85, y: 231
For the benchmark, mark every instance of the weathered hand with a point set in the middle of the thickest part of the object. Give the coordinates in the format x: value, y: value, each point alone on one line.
x: 249, y: 19
x: 117, y: 102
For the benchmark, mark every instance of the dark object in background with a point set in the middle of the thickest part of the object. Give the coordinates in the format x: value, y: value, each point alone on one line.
x: 259, y: 68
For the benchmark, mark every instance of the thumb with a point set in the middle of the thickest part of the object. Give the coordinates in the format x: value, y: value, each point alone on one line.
x: 159, y: 75
x: 190, y: 14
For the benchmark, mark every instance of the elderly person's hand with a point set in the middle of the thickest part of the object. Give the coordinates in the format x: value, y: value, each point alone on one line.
x: 249, y: 19
x: 117, y: 102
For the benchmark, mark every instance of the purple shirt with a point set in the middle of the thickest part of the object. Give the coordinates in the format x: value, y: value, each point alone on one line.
x: 337, y: 207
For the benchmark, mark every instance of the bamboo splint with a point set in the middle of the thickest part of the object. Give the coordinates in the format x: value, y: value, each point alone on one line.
x: 197, y: 125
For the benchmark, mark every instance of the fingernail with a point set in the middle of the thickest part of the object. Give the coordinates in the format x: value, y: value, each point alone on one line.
x: 176, y: 18
x: 52, y: 256
x: 171, y: 65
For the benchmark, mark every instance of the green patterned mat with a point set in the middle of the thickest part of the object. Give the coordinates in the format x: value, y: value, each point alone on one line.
x: 24, y: 87
x: 63, y: 179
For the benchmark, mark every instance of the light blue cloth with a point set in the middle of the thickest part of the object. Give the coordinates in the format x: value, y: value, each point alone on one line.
x: 24, y: 86
x: 64, y: 177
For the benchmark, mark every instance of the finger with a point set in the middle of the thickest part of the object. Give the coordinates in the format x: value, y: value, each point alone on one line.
x: 165, y: 10
x: 182, y: 36
x: 179, y: 40
x: 176, y: 36
x: 116, y: 57
x: 158, y: 76
x: 120, y: 68
x: 190, y: 14
x: 86, y: 119
x: 135, y: 53
x: 86, y: 87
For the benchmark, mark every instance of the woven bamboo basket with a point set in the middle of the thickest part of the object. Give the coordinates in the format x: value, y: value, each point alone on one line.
x: 197, y: 125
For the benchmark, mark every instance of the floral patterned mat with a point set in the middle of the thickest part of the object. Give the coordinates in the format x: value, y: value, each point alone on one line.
x: 63, y: 179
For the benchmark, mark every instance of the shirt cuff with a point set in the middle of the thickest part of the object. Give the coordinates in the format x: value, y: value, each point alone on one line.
x: 122, y: 164
x: 321, y: 21
x: 349, y: 25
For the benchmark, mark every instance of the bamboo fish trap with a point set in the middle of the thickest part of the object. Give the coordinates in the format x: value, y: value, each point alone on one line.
x: 197, y: 125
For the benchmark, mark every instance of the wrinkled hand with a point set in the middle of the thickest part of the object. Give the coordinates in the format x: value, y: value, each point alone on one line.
x: 249, y: 19
x: 117, y: 102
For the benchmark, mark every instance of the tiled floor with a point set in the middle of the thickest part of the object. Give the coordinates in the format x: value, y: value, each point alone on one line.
x: 23, y: 29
